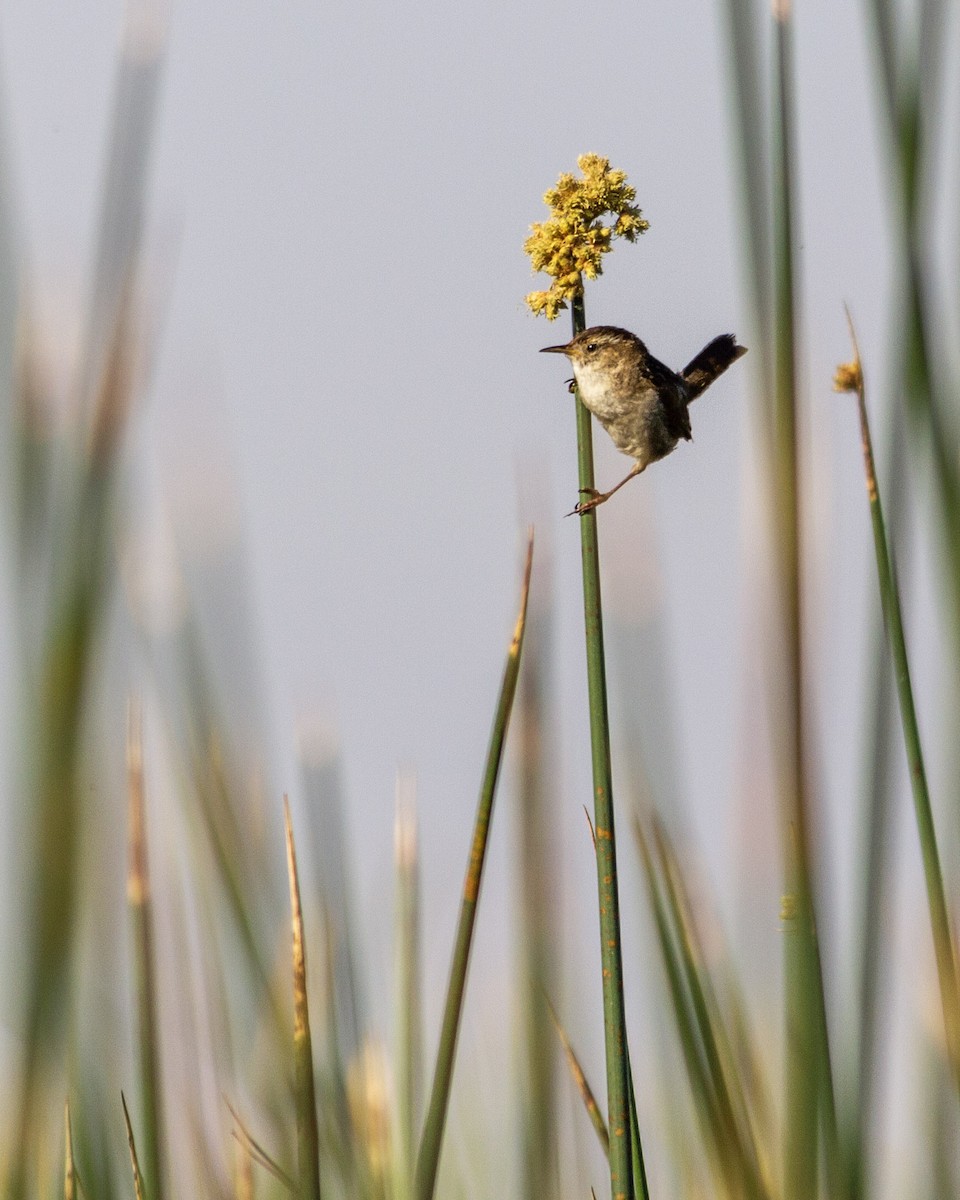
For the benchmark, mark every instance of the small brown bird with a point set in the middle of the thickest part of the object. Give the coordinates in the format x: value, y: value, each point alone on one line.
x: 640, y: 402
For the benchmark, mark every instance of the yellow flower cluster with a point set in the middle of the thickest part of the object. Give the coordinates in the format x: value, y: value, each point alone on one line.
x: 572, y: 242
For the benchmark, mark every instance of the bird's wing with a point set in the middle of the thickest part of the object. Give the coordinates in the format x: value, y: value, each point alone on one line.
x: 673, y: 396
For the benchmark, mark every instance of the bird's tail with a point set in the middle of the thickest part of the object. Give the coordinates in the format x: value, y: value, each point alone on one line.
x: 711, y: 363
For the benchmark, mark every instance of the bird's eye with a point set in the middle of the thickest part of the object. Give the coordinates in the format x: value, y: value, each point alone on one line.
x: 591, y: 346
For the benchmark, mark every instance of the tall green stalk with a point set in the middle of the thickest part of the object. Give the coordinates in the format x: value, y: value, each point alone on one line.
x: 809, y: 1097
x: 614, y: 1016
x: 932, y: 872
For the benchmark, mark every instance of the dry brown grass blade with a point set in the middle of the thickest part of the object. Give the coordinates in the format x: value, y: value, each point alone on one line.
x: 308, y: 1139
x: 583, y: 1087
x: 131, y: 1143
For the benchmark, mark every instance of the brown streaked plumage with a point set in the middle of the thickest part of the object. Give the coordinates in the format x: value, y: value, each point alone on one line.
x: 640, y: 402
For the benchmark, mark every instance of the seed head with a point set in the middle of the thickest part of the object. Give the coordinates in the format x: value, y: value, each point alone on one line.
x: 572, y: 241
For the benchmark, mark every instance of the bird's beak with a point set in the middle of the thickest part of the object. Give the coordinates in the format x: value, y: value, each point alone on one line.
x: 556, y: 349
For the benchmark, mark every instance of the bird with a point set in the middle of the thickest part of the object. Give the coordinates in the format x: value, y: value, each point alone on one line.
x: 638, y: 400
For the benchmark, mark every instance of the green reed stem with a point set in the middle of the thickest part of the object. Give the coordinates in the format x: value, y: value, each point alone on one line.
x: 614, y: 1015
x: 428, y: 1159
x: 141, y: 908
x: 932, y: 872
x: 876, y: 882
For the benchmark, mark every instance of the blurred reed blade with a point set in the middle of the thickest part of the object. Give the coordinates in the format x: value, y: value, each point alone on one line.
x: 583, y: 1087
x: 809, y: 1101
x: 25, y: 440
x: 126, y: 179
x: 131, y: 1143
x: 70, y: 1181
x: 734, y: 1135
x: 308, y: 1141
x: 81, y: 585
x: 913, y: 94
x: 408, y: 1001
x: 139, y: 897
x: 851, y: 379
x: 257, y: 1153
x: 245, y: 887
x: 338, y: 1134
x: 328, y: 875
x: 702, y: 1086
x: 636, y: 1149
x: 428, y: 1158
x: 745, y: 80
x: 809, y: 1093
x: 537, y: 906
x: 611, y: 954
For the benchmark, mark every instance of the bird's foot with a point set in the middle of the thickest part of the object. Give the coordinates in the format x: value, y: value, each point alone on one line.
x: 593, y: 499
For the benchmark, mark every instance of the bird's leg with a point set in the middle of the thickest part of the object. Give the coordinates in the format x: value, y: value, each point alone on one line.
x: 601, y: 497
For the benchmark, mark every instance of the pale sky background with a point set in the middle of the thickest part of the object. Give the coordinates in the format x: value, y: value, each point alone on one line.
x: 339, y: 197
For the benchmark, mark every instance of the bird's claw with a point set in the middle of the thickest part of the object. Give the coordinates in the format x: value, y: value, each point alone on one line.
x: 584, y: 506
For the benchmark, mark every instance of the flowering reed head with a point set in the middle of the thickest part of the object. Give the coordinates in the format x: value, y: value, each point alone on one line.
x: 571, y: 243
x: 848, y: 377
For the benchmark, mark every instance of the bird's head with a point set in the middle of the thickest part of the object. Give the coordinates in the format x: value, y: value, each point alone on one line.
x: 601, y: 349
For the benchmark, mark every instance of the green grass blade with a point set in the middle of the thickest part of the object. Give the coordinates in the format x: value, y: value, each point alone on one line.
x: 428, y: 1158
x: 611, y: 955
x: 308, y: 1140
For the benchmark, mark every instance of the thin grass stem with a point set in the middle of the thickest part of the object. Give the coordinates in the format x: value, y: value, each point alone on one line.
x: 933, y: 875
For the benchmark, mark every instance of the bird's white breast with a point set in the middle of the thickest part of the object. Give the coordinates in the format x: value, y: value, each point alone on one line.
x: 596, y: 390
